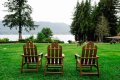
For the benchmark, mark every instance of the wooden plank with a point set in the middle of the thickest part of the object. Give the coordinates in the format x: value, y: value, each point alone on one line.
x: 48, y: 49
x: 87, y: 53
x: 28, y: 51
x: 32, y: 52
x: 56, y: 53
x: 35, y: 53
x: 60, y: 54
x: 25, y: 52
x: 54, y: 72
x: 83, y: 54
x: 52, y: 52
x: 94, y: 54
x: 91, y: 52
x: 90, y: 73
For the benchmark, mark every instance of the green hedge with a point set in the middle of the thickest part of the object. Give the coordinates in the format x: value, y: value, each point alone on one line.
x: 3, y: 40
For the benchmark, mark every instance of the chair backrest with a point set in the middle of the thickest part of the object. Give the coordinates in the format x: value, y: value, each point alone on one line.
x: 30, y: 50
x: 54, y: 54
x: 88, y: 52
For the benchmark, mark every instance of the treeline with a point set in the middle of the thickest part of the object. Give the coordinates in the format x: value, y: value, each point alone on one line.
x: 44, y: 36
x: 96, y: 22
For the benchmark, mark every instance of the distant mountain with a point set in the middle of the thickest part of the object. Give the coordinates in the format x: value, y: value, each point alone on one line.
x: 57, y: 28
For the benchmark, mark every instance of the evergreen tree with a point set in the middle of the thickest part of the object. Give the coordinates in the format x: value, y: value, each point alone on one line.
x: 95, y: 18
x: 88, y: 29
x: 102, y: 28
x: 75, y: 24
x: 81, y: 25
x: 118, y: 27
x: 19, y: 16
x: 109, y: 9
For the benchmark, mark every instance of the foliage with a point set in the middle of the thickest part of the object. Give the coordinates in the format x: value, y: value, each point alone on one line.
x: 118, y: 34
x: 19, y: 16
x: 69, y: 41
x: 4, y: 40
x: 102, y: 28
x: 31, y: 38
x: 95, y: 15
x: 40, y: 37
x: 75, y: 24
x: 47, y: 32
x: 109, y: 8
x: 118, y: 27
x: 44, y: 35
x: 86, y: 19
x: 22, y: 40
x: 58, y: 41
x: 81, y: 25
x: 48, y: 40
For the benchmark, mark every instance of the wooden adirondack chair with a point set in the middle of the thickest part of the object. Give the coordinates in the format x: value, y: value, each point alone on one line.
x: 88, y: 59
x: 31, y: 58
x: 54, y: 62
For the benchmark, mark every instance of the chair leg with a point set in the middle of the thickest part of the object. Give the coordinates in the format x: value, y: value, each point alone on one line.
x: 98, y: 69
x: 76, y: 65
x: 90, y: 68
x: 80, y: 70
x: 62, y: 70
x: 37, y: 66
x: 41, y: 62
x: 45, y: 69
x: 22, y: 67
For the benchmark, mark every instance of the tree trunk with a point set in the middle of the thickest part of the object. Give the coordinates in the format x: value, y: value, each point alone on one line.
x: 20, y: 26
x: 20, y: 32
x: 99, y: 39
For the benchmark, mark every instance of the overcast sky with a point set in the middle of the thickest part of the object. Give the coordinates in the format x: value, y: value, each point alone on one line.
x: 50, y: 10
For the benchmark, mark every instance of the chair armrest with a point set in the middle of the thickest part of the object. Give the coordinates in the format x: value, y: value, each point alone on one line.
x: 46, y: 55
x: 90, y: 57
x: 41, y: 55
x: 63, y: 55
x: 77, y: 56
x: 97, y: 57
x: 22, y: 54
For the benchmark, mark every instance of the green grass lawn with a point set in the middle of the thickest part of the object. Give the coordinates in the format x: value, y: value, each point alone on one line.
x: 10, y: 63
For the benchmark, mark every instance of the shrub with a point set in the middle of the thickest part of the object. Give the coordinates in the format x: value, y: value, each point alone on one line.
x: 31, y: 38
x: 58, y: 41
x: 40, y: 37
x: 22, y: 40
x: 4, y: 40
x: 49, y: 40
x: 69, y: 41
x: 47, y: 32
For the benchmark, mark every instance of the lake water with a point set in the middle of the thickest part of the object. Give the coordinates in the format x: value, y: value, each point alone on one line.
x: 61, y: 37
